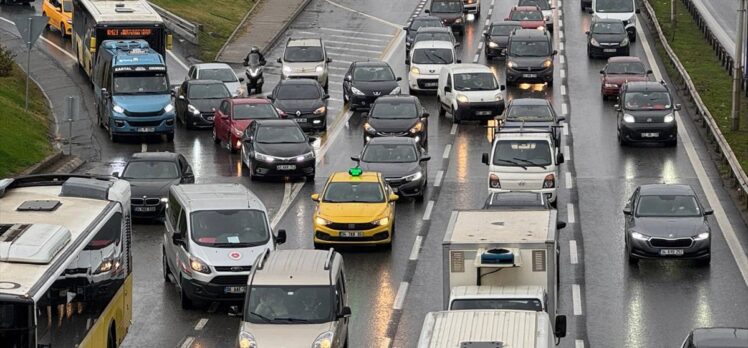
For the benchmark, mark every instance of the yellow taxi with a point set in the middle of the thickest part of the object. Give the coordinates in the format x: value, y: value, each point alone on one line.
x: 60, y: 13
x: 355, y: 207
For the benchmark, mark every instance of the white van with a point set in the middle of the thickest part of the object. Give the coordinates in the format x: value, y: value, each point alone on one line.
x: 624, y: 10
x: 469, y: 92
x: 426, y: 60
x: 214, y: 233
x: 523, y: 159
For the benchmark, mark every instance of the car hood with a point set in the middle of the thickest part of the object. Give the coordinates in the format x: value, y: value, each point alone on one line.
x: 142, y: 103
x: 392, y: 170
x: 668, y: 227
x: 151, y: 187
x: 500, y: 40
x: 532, y: 24
x: 244, y: 256
x: 429, y: 69
x: 481, y: 96
x: 290, y: 106
x: 352, y: 212
x: 285, y: 335
x: 623, y: 16
x: 620, y: 79
x: 283, y: 150
x: 233, y: 86
x: 609, y: 38
x: 206, y: 105
x: 528, y: 61
x: 392, y: 125
x: 369, y: 87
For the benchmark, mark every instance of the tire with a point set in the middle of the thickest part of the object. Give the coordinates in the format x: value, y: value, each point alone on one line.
x: 550, y: 82
x: 672, y: 143
x: 455, y: 118
x: 62, y: 31
x: 170, y: 137
x: 252, y: 177
x: 165, y: 267
x: 111, y: 339
x: 554, y: 204
x: 215, y: 137
x: 327, y: 85
x: 113, y: 137
x: 589, y: 53
x: 310, y: 178
x: 632, y: 260
x: 705, y: 261
x: 229, y: 145
x: 632, y: 38
x: 621, y: 140
x: 184, y: 300
x: 442, y: 111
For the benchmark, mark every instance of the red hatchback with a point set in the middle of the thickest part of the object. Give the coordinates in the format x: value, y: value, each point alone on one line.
x: 620, y: 70
x: 233, y: 117
x: 530, y: 17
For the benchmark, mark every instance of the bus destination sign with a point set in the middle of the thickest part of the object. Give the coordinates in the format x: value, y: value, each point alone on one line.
x: 128, y: 32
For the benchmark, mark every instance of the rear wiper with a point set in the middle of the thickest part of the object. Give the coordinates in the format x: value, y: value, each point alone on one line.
x: 512, y: 162
x: 530, y: 162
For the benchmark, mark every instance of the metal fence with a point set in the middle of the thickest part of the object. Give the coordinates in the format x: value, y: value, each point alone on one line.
x: 728, y: 164
x: 178, y: 26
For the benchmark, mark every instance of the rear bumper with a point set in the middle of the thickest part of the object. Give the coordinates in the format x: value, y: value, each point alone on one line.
x: 612, y: 51
x: 536, y: 76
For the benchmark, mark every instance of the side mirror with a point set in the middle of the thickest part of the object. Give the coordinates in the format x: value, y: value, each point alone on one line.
x: 241, y: 79
x: 427, y: 11
x: 487, y: 35
x: 457, y: 44
x: 560, y: 225
x: 325, y: 97
x: 708, y: 212
x: 348, y: 78
x: 116, y: 175
x: 484, y: 158
x: 188, y: 177
x: 105, y: 93
x: 405, y: 28
x: 560, y: 158
x: 502, y: 87
x: 677, y: 107
x: 602, y: 71
x: 329, y: 60
x: 356, y: 158
x: 555, y: 52
x: 311, y: 140
x: 426, y: 115
x: 173, y: 93
x: 588, y: 32
x: 279, y: 60
x: 176, y: 239
x: 398, y: 78
x: 649, y: 72
x: 425, y: 158
x: 393, y: 197
x: 627, y: 210
x: 561, y: 118
x: 281, y: 237
x: 345, y: 312
x: 559, y: 330
x: 447, y: 89
x: 181, y: 97
x: 315, y: 197
x: 617, y: 107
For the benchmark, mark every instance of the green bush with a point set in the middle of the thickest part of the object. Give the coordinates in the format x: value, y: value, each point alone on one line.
x: 6, y: 61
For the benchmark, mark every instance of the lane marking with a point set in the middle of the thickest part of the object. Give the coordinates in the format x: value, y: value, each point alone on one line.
x: 400, y: 297
x: 416, y: 248
x: 560, y: 22
x: 570, y: 213
x: 287, y: 189
x: 480, y: 45
x: 346, y: 37
x: 476, y: 58
x: 453, y: 131
x: 723, y: 222
x: 569, y: 182
x: 563, y: 73
x: 562, y: 59
x: 488, y: 22
x: 561, y: 46
x: 447, y: 149
x: 563, y: 90
x: 427, y: 212
x: 578, y: 344
x: 573, y: 254
x: 143, y: 147
x: 354, y: 43
x: 564, y: 109
x: 187, y: 342
x: 567, y: 153
x: 201, y: 324
x: 364, y: 14
x: 576, y: 295
x: 566, y: 129
x: 560, y: 34
x: 179, y: 61
x: 438, y: 180
x: 334, y: 54
x: 360, y: 32
x: 490, y: 11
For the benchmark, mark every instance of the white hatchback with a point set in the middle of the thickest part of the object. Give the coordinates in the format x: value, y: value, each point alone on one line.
x: 469, y: 92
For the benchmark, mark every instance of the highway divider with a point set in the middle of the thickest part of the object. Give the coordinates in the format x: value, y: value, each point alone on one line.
x: 179, y: 26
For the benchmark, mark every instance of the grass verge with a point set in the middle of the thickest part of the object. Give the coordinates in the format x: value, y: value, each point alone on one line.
x: 24, y: 135
x: 219, y: 18
x: 709, y: 77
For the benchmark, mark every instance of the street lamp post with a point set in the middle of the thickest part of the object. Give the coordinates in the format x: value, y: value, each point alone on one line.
x: 737, y: 76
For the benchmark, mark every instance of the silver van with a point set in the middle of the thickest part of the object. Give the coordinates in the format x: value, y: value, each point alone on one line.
x: 214, y: 233
x: 305, y: 58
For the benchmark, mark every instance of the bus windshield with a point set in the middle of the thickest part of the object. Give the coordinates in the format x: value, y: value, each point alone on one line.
x: 141, y: 83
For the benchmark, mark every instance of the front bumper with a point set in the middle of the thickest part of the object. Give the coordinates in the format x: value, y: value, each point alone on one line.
x: 202, y: 120
x: 267, y: 169
x: 133, y: 125
x: 498, y: 51
x: 609, y: 51
x: 374, y: 236
x: 407, y: 188
x: 217, y: 288
x: 519, y: 74
x: 646, y: 250
x: 310, y: 122
x: 547, y: 191
x: 480, y: 110
x: 423, y: 82
x: 362, y: 101
x: 148, y: 211
x: 649, y: 132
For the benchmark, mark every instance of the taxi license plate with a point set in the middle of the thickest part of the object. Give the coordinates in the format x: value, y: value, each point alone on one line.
x: 286, y: 167
x: 609, y: 50
x: 348, y: 234
x: 145, y: 209
x: 671, y: 252
x: 430, y: 84
x: 146, y: 130
x: 529, y: 76
x: 483, y: 113
x: 301, y: 120
x: 235, y: 289
x: 650, y: 135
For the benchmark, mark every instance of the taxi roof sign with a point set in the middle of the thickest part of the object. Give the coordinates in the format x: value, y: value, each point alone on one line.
x: 356, y: 171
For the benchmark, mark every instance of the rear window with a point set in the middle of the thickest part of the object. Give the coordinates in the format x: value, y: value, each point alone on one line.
x: 522, y: 15
x: 503, y: 30
x: 543, y: 4
x: 515, y: 304
x: 446, y: 6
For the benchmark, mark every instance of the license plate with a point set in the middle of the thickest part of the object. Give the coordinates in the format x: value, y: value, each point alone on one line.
x: 355, y: 234
x: 145, y: 209
x: 650, y: 135
x: 483, y: 113
x: 430, y: 84
x: 286, y: 167
x: 235, y: 289
x: 146, y: 130
x: 529, y: 76
x: 671, y: 252
x: 609, y: 50
x: 301, y: 120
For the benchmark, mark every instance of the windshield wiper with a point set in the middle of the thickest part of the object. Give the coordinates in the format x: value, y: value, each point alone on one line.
x: 432, y: 55
x: 292, y: 320
x: 266, y: 319
x: 529, y: 162
x: 237, y: 245
x: 511, y: 162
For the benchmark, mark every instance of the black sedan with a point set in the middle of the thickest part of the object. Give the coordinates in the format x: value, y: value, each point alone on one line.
x: 197, y: 101
x: 607, y: 37
x: 366, y: 81
x: 532, y: 112
x: 419, y: 22
x: 302, y: 100
x: 666, y: 221
x: 497, y: 37
x: 150, y: 175
x: 277, y: 148
x: 401, y: 161
x: 400, y: 115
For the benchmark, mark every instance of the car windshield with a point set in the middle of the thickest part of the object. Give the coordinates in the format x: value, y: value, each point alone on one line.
x: 300, y: 54
x: 254, y: 112
x: 529, y: 113
x: 647, y: 100
x: 280, y: 135
x: 543, y: 4
x: 446, y: 6
x: 520, y: 48
x: 475, y: 82
x: 522, y: 153
x: 529, y: 15
x: 668, y: 206
x: 394, y: 110
x: 503, y: 30
x: 293, y: 92
x: 354, y: 192
x: 140, y: 83
x: 67, y: 6
x: 423, y: 23
x: 208, y: 91
x: 220, y: 74
x: 389, y: 153
x: 289, y: 304
x: 432, y: 56
x: 150, y: 170
x: 608, y: 28
x: 373, y: 73
x: 636, y: 68
x: 232, y: 228
x: 515, y: 304
x: 614, y: 6
x: 434, y: 36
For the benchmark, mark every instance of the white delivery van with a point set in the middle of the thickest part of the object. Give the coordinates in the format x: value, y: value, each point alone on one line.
x: 519, y: 297
x: 469, y: 92
x: 624, y: 10
x: 426, y: 60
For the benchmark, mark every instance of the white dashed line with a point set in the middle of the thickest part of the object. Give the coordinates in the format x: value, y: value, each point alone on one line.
x: 480, y: 45
x: 187, y: 343
x: 578, y: 344
x: 560, y: 23
x: 569, y: 181
x: 566, y: 129
x: 564, y: 109
x: 560, y: 35
x: 576, y: 298
x: 567, y: 153
x: 561, y: 46
x: 563, y: 90
x: 490, y: 11
x: 201, y: 324
x: 562, y: 59
x: 143, y: 147
x: 416, y: 248
x: 475, y: 59
x: 563, y: 73
x: 570, y: 213
x: 400, y: 297
x: 573, y: 255
x: 365, y: 14
x: 439, y: 177
x: 427, y: 213
x: 447, y: 149
x: 488, y: 22
x: 347, y: 31
x: 454, y: 129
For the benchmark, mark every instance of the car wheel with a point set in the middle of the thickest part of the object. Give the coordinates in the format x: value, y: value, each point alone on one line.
x: 230, y: 144
x: 310, y: 177
x: 184, y: 300
x: 455, y: 118
x: 632, y: 37
x: 62, y: 31
x: 706, y: 261
x: 621, y: 140
x: 215, y: 136
x: 442, y: 111
x: 113, y: 137
x: 633, y: 260
x: 170, y: 137
x: 589, y: 52
x: 165, y: 267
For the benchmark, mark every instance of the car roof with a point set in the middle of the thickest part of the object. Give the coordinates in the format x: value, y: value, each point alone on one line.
x: 154, y: 156
x: 717, y: 337
x: 242, y: 101
x: 396, y: 98
x: 434, y: 30
x: 606, y: 20
x: 217, y: 196
x: 529, y: 101
x: 526, y: 8
x: 665, y: 189
x: 278, y: 122
x: 645, y: 86
x: 366, y: 176
x: 619, y: 59
x: 506, y: 24
x: 534, y: 34
x: 469, y: 67
x: 370, y: 63
x: 432, y: 44
x: 212, y: 66
x: 304, y: 41
x: 204, y: 82
x: 426, y: 18
x: 298, y: 267
x: 391, y: 140
x: 492, y: 291
x: 298, y: 82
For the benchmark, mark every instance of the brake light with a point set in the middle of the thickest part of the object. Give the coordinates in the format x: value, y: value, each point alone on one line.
x: 493, y: 181
x: 549, y: 181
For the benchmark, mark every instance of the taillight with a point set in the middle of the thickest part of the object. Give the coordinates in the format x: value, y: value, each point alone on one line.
x: 549, y: 181
x: 493, y: 181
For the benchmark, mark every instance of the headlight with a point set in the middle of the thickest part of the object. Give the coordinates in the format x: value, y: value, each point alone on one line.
x: 356, y: 91
x: 625, y: 41
x: 322, y: 222
x: 417, y: 128
x: 510, y: 64
x: 541, y: 28
x: 669, y: 118
x: 368, y: 128
x: 629, y: 119
x: 702, y: 236
x: 498, y: 97
x: 458, y: 20
x: 198, y: 265
x: 462, y: 98
x: 264, y: 157
x: 382, y: 222
x: 594, y: 42
x: 254, y: 72
x: 105, y: 266
x: 396, y: 90
x: 246, y: 340
x: 413, y: 177
x: 164, y: 199
x: 287, y: 69
x: 639, y: 236
x: 193, y: 109
x: 492, y: 44
x: 323, y: 341
x: 305, y: 157
x: 320, y: 69
x: 611, y: 85
x: 320, y: 110
x: 118, y: 109
x: 70, y: 21
x: 169, y: 108
x: 547, y: 63
x: 415, y: 71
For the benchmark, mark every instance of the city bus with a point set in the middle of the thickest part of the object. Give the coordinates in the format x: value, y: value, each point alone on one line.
x: 95, y: 21
x: 65, y: 261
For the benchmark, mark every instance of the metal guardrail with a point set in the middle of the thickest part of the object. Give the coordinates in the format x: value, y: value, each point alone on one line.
x: 737, y: 176
x: 723, y: 46
x: 179, y: 26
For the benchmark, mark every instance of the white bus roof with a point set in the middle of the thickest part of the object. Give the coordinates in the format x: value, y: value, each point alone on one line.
x: 491, y: 292
x: 449, y: 329
x: 135, y: 11
x: 489, y: 226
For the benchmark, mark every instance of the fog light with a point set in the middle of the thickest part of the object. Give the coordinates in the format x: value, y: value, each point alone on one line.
x: 170, y: 122
x: 317, y: 121
x: 119, y: 123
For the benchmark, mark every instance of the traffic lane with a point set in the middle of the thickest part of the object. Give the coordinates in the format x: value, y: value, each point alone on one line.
x: 725, y: 13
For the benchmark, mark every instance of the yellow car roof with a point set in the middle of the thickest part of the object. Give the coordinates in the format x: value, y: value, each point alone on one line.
x: 364, y: 177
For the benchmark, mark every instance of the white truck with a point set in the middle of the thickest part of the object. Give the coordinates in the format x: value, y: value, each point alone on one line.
x: 490, y: 329
x: 504, y: 260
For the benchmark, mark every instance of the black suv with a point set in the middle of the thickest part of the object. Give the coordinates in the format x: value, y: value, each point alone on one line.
x: 529, y: 57
x: 397, y: 116
x: 646, y: 113
x: 497, y: 37
x: 451, y: 12
x: 419, y: 22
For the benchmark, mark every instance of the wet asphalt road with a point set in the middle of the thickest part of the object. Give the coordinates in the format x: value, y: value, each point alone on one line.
x: 652, y: 305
